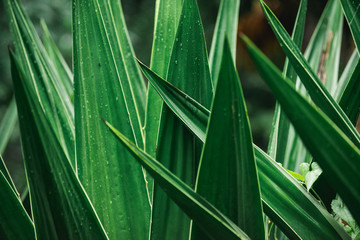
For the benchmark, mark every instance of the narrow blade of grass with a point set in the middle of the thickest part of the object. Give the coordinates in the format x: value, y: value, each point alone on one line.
x: 7, y: 125
x: 337, y: 155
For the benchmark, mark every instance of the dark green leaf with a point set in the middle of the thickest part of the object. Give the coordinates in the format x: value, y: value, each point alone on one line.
x: 167, y: 15
x: 227, y: 175
x: 15, y: 222
x: 351, y: 10
x: 211, y: 220
x: 314, y: 86
x: 7, y: 125
x: 292, y: 213
x: 107, y: 83
x: 59, y: 204
x: 337, y: 155
x: 177, y: 148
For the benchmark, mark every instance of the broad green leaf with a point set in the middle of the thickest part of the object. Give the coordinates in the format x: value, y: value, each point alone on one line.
x: 351, y: 10
x: 279, y: 133
x: 311, y: 173
x: 314, y: 86
x: 350, y: 98
x: 211, y: 220
x: 225, y: 27
x: 59, y: 204
x: 7, y: 125
x: 346, y: 74
x: 42, y: 76
x: 167, y: 15
x: 15, y: 222
x: 292, y: 213
x: 177, y: 148
x: 336, y: 154
x: 63, y: 70
x: 227, y: 175
x: 104, y: 78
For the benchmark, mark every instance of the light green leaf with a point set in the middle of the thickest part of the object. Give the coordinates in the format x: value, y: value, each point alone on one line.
x: 292, y: 213
x: 278, y: 142
x: 167, y: 15
x: 7, y: 125
x: 311, y: 173
x: 43, y: 78
x: 351, y: 10
x: 106, y: 85
x: 336, y: 154
x: 64, y: 73
x: 225, y: 27
x: 59, y: 204
x: 227, y: 175
x: 346, y: 74
x: 315, y: 88
x: 177, y: 148
x: 15, y: 222
x: 211, y: 220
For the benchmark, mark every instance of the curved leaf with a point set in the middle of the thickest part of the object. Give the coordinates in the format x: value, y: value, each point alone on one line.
x: 351, y: 10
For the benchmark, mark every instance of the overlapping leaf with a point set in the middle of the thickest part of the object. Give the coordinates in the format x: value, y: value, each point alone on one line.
x: 177, y: 148
x: 275, y: 182
x: 351, y: 10
x: 315, y: 88
x: 225, y: 27
x: 211, y: 220
x: 15, y: 222
x: 227, y: 175
x: 337, y: 155
x: 108, y: 84
x: 59, y: 204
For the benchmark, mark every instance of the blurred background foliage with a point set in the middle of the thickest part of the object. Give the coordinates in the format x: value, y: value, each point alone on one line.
x: 139, y: 15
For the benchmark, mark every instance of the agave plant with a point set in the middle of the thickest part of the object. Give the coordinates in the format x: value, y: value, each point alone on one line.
x: 108, y: 157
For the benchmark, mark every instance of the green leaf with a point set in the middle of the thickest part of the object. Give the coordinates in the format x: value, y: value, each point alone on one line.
x: 228, y: 157
x: 314, y: 86
x: 292, y: 213
x: 5, y: 172
x: 63, y: 70
x: 225, y: 27
x: 41, y: 75
x: 336, y: 154
x: 311, y: 173
x: 107, y: 84
x: 346, y: 74
x: 278, y: 142
x: 15, y: 222
x: 211, y: 220
x: 59, y: 204
x: 346, y: 219
x: 352, y: 13
x: 167, y: 15
x: 7, y: 125
x: 179, y: 101
x: 177, y: 148
x: 350, y: 98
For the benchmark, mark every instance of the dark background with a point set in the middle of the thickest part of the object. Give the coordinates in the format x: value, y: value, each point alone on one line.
x: 139, y: 15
